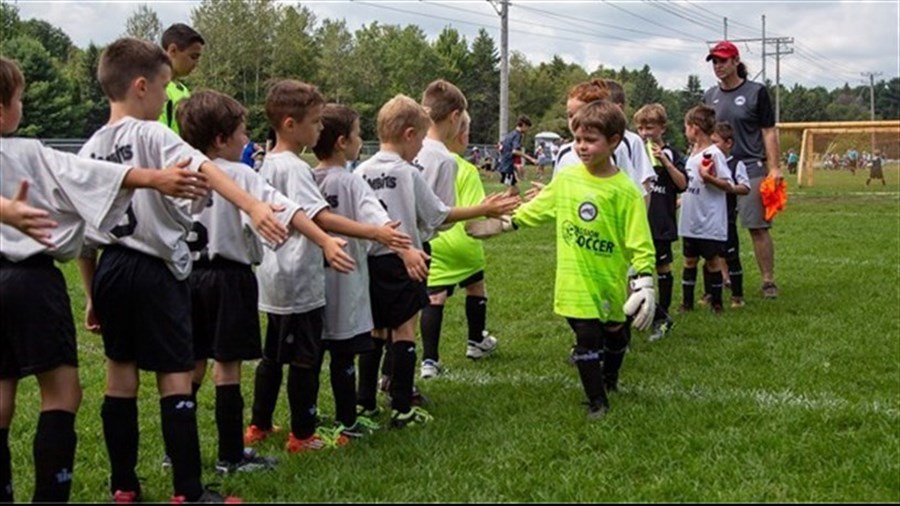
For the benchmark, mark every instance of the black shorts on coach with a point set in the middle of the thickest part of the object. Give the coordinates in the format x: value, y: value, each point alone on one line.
x: 37, y: 333
x: 395, y: 296
x: 144, y: 312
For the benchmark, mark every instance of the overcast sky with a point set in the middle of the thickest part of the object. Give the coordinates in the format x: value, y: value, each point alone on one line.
x: 834, y: 41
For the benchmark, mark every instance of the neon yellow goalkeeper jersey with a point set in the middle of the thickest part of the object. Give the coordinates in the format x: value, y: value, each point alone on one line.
x: 454, y: 255
x: 601, y: 227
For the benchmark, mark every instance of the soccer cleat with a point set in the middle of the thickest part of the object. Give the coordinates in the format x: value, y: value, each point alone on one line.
x: 312, y: 443
x: 431, y: 369
x: 597, y: 409
x: 361, y: 428
x: 737, y: 302
x: 660, y: 329
x: 208, y: 496
x: 705, y: 300
x: 770, y: 291
x: 126, y: 497
x: 361, y: 411
x: 415, y: 416
x: 478, y: 350
x: 717, y: 309
x: 250, y: 463
x: 254, y: 434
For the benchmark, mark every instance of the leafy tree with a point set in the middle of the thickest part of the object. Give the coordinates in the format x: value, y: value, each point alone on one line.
x: 482, y: 87
x: 335, y: 49
x: 51, y: 107
x: 144, y: 24
x: 54, y: 40
x: 9, y: 21
x: 453, y: 52
x: 295, y: 45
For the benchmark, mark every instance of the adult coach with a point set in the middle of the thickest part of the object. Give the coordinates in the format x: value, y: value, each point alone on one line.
x: 746, y: 106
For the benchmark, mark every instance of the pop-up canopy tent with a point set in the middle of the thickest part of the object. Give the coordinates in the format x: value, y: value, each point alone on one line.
x: 546, y: 136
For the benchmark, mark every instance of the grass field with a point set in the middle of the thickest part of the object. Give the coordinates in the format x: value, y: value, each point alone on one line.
x: 788, y: 400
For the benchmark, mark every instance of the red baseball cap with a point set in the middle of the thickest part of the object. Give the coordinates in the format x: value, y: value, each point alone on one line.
x: 725, y: 50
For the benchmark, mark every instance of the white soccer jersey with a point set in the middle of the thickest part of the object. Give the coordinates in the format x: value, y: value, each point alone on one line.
x: 348, y: 309
x: 73, y: 190
x: 631, y: 156
x: 154, y: 224
x: 740, y: 173
x: 439, y: 170
x: 703, y: 206
x: 405, y: 195
x: 565, y: 157
x: 292, y: 279
x: 222, y: 230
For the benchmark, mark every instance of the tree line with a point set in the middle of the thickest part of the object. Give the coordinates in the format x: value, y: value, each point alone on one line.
x: 252, y: 42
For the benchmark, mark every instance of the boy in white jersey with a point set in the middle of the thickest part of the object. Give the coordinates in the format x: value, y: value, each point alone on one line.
x: 146, y: 259
x: 348, y: 309
x: 671, y: 180
x: 703, y: 223
x: 396, y: 297
x: 292, y: 279
x: 601, y: 229
x: 37, y: 333
x: 446, y: 106
x: 223, y: 287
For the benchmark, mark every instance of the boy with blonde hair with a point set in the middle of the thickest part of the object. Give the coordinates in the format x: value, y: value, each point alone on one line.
x: 397, y: 297
x: 223, y: 287
x: 446, y: 106
x: 292, y: 279
x: 651, y: 121
x: 37, y: 333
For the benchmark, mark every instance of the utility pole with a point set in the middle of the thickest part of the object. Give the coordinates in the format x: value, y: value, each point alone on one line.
x: 872, y: 76
x: 502, y: 8
x: 781, y: 48
x: 764, y: 49
x: 725, y: 23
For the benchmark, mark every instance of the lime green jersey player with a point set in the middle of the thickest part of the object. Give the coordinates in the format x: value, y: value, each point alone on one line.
x: 176, y: 92
x: 601, y: 228
x: 454, y: 255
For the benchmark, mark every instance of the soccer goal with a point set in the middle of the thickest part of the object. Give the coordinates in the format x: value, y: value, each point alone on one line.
x: 841, y: 145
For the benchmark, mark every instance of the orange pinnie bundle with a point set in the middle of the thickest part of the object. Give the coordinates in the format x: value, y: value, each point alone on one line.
x: 774, y: 196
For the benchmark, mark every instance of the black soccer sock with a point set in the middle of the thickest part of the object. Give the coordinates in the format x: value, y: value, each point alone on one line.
x: 120, y: 432
x: 54, y: 456
x: 432, y: 318
x: 665, y: 281
x: 368, y: 376
x: 303, y: 391
x: 404, y: 375
x: 476, y: 317
x: 230, y: 422
x: 615, y: 344
x: 266, y: 386
x: 343, y: 385
x: 179, y: 427
x: 688, y: 280
x: 587, y: 358
x: 6, y: 486
x: 736, y: 274
x: 715, y: 287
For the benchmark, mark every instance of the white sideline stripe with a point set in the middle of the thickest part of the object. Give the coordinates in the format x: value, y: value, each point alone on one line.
x: 763, y: 398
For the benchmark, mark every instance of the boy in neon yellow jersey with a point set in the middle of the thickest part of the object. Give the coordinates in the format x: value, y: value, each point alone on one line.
x: 184, y: 46
x: 601, y: 228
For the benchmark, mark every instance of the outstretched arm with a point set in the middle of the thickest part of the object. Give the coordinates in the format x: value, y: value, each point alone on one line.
x: 31, y: 221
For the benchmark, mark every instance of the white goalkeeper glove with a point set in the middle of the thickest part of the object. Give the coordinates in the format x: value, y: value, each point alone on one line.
x: 489, y: 227
x: 641, y: 304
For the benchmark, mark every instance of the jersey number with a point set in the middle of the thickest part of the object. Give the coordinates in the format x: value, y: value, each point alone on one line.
x: 127, y: 228
x: 197, y: 239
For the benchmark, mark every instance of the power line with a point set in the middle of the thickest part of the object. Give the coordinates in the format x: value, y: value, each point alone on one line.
x: 594, y: 24
x: 648, y: 20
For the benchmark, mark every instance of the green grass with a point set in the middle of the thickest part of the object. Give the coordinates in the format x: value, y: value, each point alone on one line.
x: 791, y: 400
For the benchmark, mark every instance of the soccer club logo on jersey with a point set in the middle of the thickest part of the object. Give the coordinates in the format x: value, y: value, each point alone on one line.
x: 587, y: 211
x: 740, y: 100
x: 586, y: 239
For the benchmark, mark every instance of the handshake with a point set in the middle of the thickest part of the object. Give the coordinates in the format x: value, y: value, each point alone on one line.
x: 489, y: 227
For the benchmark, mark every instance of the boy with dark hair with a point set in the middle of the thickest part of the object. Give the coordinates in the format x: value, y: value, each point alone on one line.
x: 723, y: 137
x: 223, y: 287
x: 446, y: 106
x: 348, y: 309
x: 651, y: 121
x: 37, y: 334
x: 703, y: 223
x: 510, y: 147
x: 601, y: 229
x: 396, y: 296
x: 292, y: 279
x: 630, y: 155
x: 184, y: 46
x: 147, y: 258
